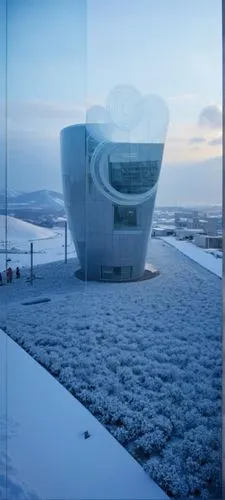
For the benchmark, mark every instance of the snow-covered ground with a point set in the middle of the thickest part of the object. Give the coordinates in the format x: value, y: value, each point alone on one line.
x: 48, y: 244
x: 20, y: 231
x: 206, y: 259
x: 46, y: 453
x: 144, y: 358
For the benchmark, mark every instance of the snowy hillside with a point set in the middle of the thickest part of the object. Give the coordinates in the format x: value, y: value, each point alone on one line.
x: 20, y: 234
x: 20, y: 231
x: 48, y: 245
x: 144, y: 358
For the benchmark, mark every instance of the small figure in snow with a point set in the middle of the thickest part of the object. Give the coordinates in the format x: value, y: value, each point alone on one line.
x: 17, y: 272
x: 9, y: 275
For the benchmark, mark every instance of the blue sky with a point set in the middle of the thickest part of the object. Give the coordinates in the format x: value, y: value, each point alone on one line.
x: 46, y: 49
x: 57, y: 48
x: 168, y: 47
x: 65, y: 53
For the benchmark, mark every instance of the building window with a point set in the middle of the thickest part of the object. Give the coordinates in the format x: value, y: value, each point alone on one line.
x: 106, y: 272
x: 133, y: 177
x: 127, y: 272
x: 120, y: 273
x: 125, y: 216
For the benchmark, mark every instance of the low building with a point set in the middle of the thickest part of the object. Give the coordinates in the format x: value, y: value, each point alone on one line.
x: 187, y: 218
x: 211, y: 225
x: 163, y: 231
x: 206, y: 241
x: 187, y: 233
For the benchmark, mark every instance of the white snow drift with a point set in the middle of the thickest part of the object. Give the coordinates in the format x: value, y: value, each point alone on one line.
x: 202, y: 257
x: 20, y: 231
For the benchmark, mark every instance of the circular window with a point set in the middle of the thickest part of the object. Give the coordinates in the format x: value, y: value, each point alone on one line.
x: 126, y: 173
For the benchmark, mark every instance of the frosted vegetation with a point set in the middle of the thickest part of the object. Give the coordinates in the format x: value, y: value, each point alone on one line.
x: 145, y: 358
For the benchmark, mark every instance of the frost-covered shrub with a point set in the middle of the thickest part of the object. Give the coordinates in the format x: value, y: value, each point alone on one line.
x: 152, y: 377
x: 113, y: 363
x: 192, y: 419
x: 207, y: 407
x: 169, y: 476
x: 152, y: 442
x: 121, y: 434
x: 54, y: 363
x: 136, y: 370
x: 66, y: 376
x: 178, y: 422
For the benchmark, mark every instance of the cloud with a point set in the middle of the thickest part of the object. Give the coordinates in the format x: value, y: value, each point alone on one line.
x: 41, y: 118
x: 33, y: 141
x: 216, y: 142
x: 188, y: 141
x: 196, y: 182
x: 211, y: 117
x: 177, y: 140
x: 182, y: 97
x: 196, y: 140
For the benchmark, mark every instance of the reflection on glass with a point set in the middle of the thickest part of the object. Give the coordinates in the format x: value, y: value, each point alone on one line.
x: 135, y: 177
x: 125, y: 216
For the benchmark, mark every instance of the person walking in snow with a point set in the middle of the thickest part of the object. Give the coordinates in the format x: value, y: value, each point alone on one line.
x: 17, y: 272
x: 9, y: 275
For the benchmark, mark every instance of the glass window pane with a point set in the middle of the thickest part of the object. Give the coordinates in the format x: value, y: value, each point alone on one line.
x: 134, y: 177
x: 125, y: 216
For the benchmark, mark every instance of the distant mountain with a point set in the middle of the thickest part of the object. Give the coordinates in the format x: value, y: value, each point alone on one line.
x: 43, y: 199
x: 11, y: 194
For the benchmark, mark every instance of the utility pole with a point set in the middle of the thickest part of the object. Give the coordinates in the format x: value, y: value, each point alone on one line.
x: 65, y: 242
x: 31, y: 263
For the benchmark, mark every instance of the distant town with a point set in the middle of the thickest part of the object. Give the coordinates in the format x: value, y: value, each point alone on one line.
x: 202, y: 226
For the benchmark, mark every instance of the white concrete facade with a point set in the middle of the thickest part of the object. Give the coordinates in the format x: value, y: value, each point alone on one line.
x: 208, y: 241
x: 110, y: 190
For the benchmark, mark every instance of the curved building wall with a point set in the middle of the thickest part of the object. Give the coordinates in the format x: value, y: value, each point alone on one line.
x: 109, y: 191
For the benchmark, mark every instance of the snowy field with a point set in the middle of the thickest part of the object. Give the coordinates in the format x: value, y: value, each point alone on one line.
x: 144, y: 358
x: 203, y: 257
x: 48, y: 244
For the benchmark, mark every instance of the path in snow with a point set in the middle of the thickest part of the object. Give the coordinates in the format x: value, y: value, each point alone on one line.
x: 205, y: 259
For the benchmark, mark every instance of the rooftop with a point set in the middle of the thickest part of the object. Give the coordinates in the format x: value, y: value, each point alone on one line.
x: 56, y: 448
x: 144, y: 358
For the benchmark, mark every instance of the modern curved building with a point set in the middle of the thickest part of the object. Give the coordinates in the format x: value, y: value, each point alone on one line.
x: 110, y: 190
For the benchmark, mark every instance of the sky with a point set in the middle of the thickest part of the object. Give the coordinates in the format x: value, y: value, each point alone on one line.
x: 66, y: 55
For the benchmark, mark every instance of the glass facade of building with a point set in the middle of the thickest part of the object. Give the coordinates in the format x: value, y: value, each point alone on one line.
x: 135, y: 177
x: 110, y: 191
x: 125, y: 217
